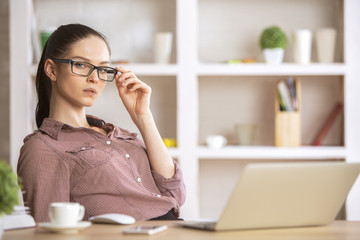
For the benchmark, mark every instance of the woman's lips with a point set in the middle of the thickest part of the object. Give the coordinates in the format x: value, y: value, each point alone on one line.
x: 90, y: 91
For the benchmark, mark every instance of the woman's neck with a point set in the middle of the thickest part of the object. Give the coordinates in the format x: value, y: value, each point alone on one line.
x: 73, y: 119
x: 64, y: 113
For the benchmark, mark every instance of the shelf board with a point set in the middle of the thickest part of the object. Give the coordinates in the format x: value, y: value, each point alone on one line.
x: 141, y: 69
x: 270, y: 152
x: 151, y: 69
x: 245, y: 69
x: 262, y: 69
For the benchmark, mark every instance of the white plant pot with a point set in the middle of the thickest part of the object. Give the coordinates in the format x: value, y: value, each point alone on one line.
x: 273, y: 55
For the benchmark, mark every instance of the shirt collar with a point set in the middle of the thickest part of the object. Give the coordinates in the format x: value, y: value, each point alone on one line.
x: 124, y: 134
x: 53, y: 127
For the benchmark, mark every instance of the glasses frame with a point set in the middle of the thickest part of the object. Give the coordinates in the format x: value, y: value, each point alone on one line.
x: 72, y: 61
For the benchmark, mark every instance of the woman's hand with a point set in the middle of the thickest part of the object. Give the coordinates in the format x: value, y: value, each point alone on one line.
x: 134, y: 93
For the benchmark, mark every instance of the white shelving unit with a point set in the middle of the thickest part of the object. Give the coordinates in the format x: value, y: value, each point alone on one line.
x: 193, y: 71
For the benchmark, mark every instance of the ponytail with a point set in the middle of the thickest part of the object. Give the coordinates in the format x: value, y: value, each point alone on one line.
x: 58, y: 44
x: 43, y: 89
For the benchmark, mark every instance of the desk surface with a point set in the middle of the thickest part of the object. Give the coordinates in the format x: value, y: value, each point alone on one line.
x: 339, y: 230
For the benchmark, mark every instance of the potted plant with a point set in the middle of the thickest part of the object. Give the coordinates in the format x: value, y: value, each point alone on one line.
x: 8, y: 191
x: 273, y: 42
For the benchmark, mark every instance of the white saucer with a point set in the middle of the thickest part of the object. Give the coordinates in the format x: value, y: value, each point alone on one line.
x: 64, y: 229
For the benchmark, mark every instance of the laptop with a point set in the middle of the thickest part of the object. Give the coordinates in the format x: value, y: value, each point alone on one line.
x: 275, y: 195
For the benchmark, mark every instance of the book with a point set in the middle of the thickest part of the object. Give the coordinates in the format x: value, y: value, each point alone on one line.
x: 281, y: 101
x: 18, y: 219
x: 284, y: 95
x: 327, y: 125
x: 291, y: 86
x: 12, y: 222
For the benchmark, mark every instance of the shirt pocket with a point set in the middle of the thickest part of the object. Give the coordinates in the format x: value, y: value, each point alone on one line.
x: 90, y: 155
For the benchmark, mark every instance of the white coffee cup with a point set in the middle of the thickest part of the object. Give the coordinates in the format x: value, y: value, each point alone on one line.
x: 66, y: 214
x: 216, y: 141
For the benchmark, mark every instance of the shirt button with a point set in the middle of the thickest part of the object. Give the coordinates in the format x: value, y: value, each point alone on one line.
x: 138, y: 179
x: 127, y: 155
x: 158, y: 195
x: 83, y: 148
x: 108, y: 142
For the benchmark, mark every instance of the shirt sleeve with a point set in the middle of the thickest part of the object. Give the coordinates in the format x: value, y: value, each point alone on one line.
x: 172, y: 187
x: 45, y: 177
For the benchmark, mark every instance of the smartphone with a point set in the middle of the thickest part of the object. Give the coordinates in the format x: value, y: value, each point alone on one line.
x: 145, y: 229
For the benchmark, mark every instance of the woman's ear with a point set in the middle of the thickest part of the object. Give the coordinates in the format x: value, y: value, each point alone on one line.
x: 50, y: 69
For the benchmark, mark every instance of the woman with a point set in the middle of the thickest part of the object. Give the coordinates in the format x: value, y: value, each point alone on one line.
x: 74, y: 157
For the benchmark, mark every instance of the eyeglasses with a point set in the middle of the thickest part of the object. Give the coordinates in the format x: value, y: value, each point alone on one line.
x: 84, y: 69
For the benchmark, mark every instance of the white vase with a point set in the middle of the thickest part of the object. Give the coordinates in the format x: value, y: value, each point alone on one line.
x: 162, y: 47
x: 302, y: 46
x: 273, y: 55
x: 325, y: 43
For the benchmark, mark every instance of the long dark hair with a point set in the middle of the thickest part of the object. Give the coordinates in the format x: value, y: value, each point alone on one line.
x: 59, y: 42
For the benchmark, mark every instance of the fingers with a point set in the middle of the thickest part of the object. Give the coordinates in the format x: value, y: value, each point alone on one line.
x: 125, y: 75
x: 129, y: 81
x: 139, y: 86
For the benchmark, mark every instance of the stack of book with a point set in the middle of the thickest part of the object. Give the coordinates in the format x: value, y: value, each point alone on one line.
x: 286, y: 92
x: 288, y: 113
x: 20, y: 218
x: 288, y: 120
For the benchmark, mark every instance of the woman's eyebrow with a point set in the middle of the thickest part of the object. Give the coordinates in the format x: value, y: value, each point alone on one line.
x: 88, y: 60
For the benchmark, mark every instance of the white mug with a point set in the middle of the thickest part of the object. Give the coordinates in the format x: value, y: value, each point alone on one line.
x: 216, y: 141
x: 66, y: 214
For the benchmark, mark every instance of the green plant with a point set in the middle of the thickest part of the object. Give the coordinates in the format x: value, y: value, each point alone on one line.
x: 273, y: 37
x: 8, y: 189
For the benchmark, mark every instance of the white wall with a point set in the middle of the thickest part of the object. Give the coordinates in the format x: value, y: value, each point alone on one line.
x: 129, y: 25
x: 230, y: 29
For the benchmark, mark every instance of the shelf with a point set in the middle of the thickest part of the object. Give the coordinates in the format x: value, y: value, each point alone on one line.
x: 151, y: 69
x: 141, y: 69
x: 248, y: 69
x: 269, y: 152
x: 262, y: 69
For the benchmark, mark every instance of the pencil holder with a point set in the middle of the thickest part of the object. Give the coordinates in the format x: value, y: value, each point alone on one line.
x: 288, y: 121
